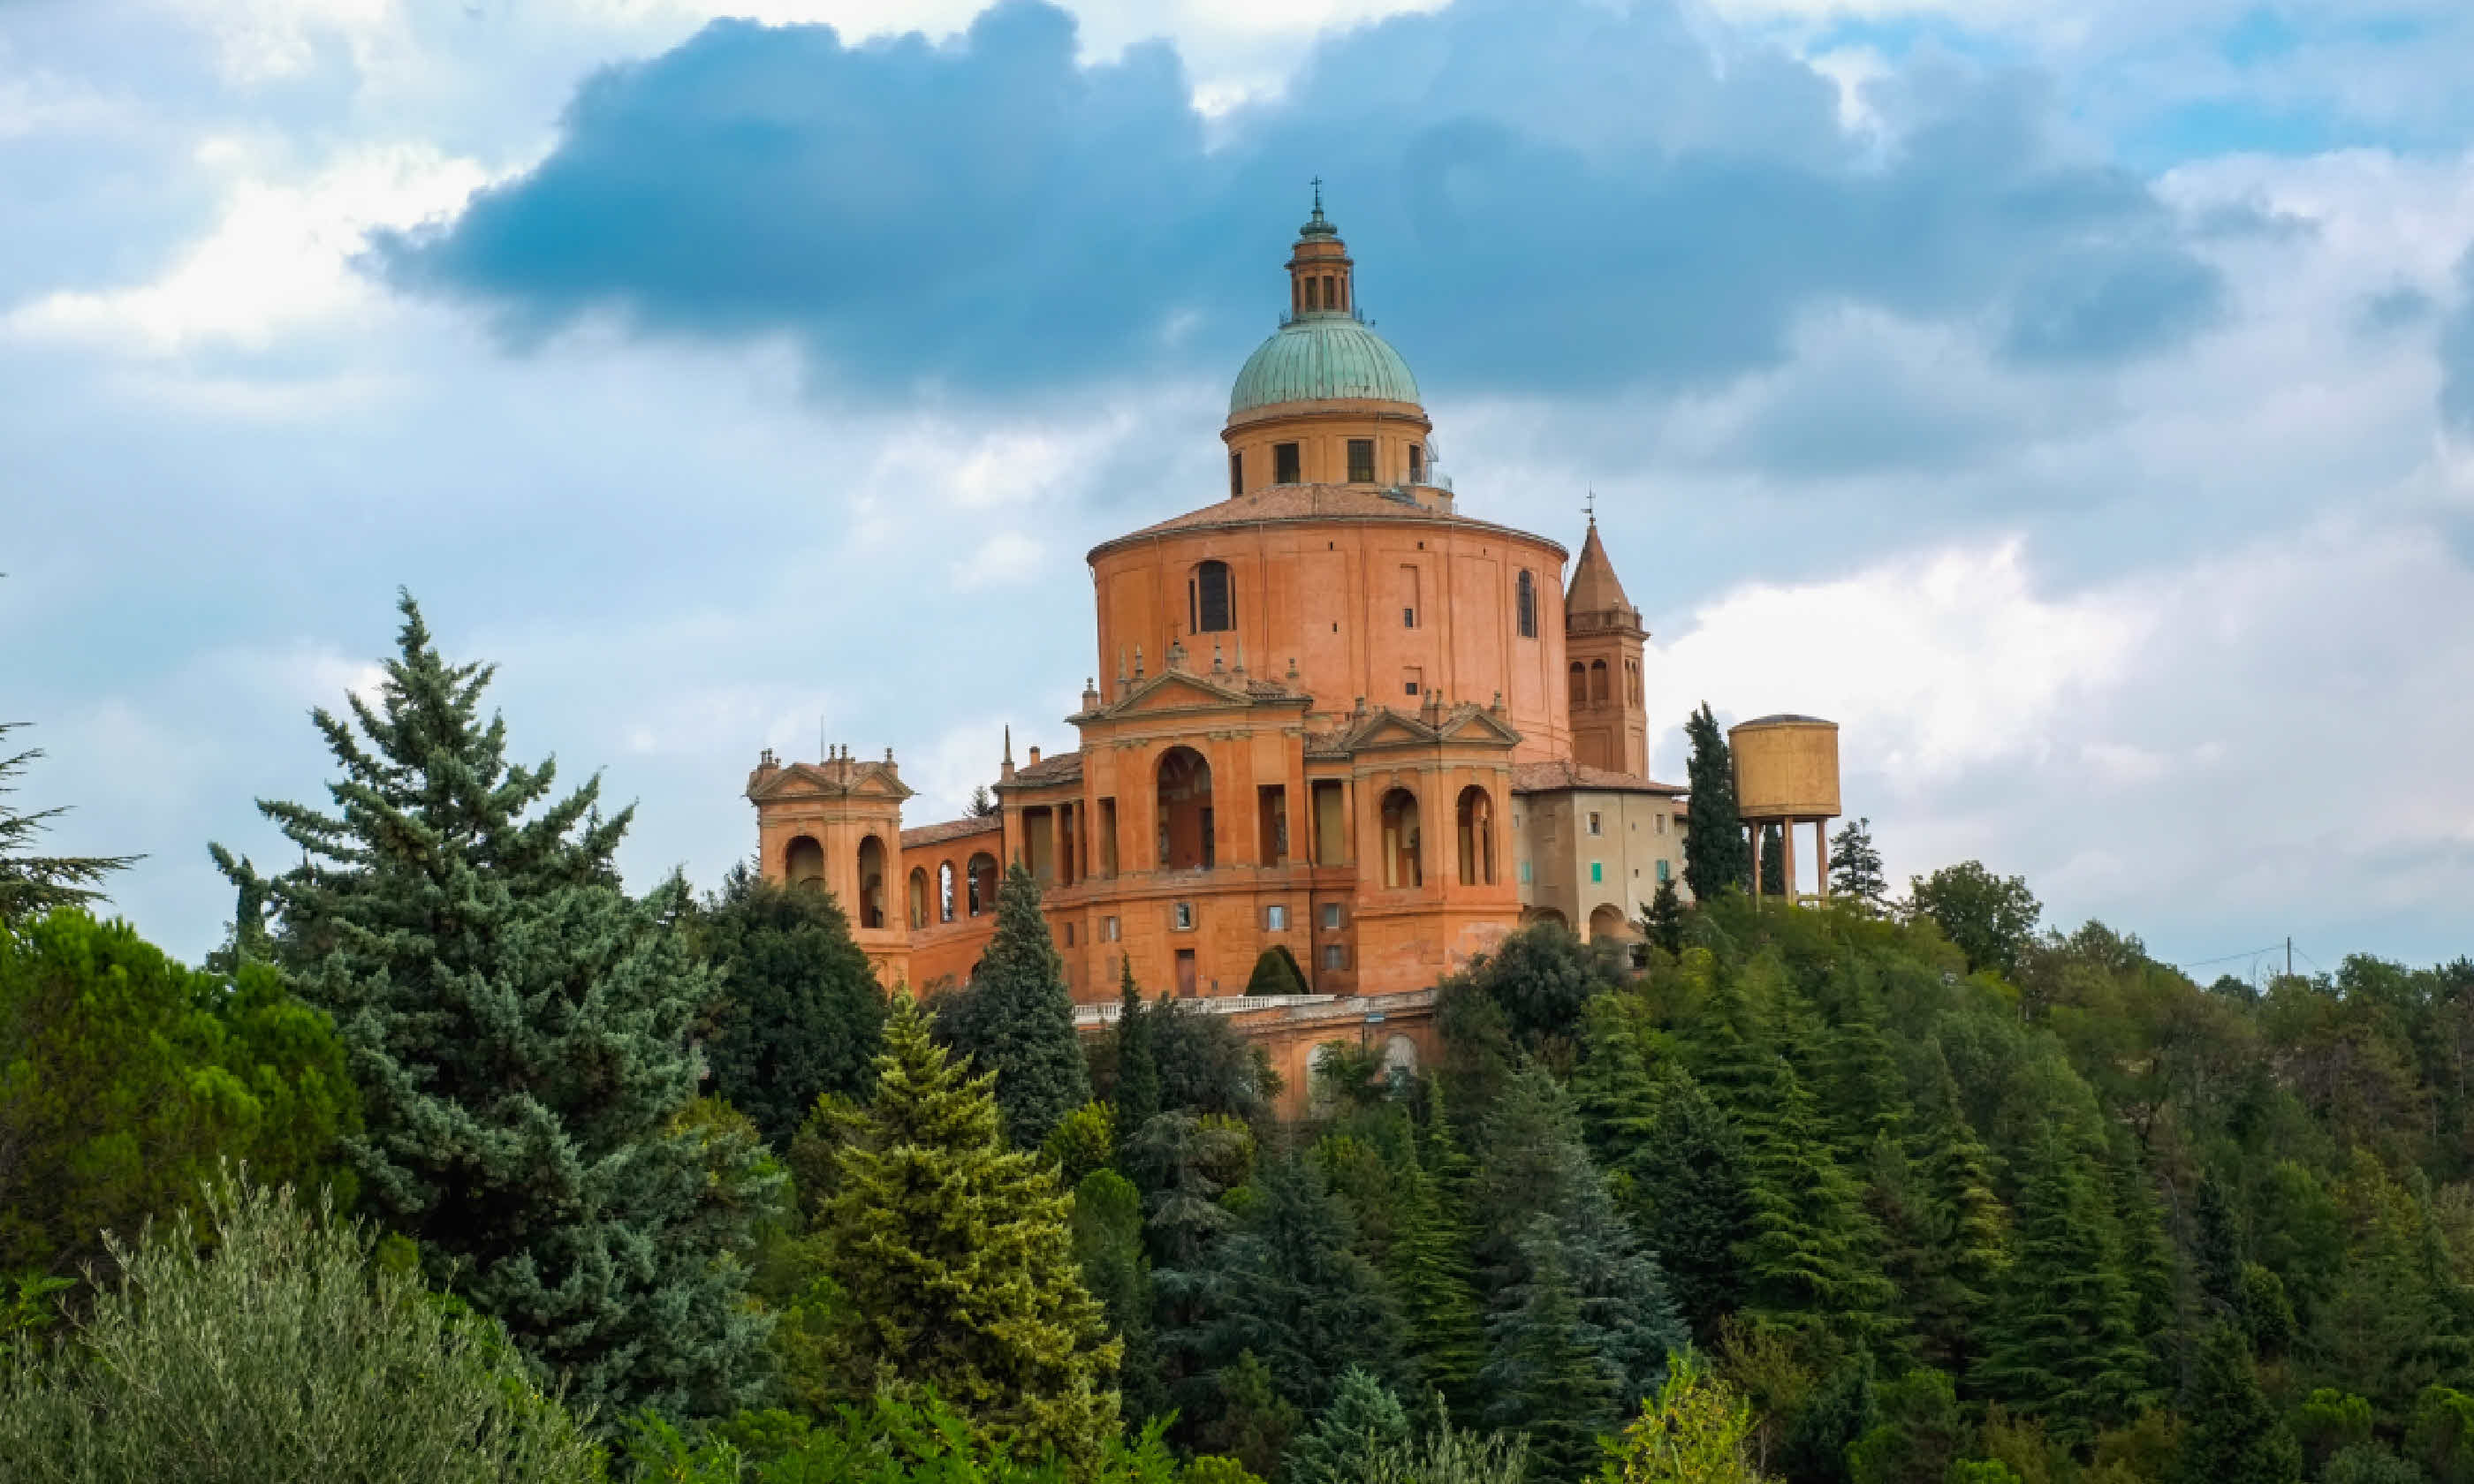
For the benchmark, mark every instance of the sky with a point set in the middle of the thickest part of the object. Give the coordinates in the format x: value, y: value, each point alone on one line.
x: 2073, y: 400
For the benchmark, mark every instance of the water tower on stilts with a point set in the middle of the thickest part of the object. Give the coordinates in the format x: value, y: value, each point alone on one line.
x: 1786, y: 774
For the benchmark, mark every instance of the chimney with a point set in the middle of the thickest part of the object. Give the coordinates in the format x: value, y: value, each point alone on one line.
x: 1034, y: 757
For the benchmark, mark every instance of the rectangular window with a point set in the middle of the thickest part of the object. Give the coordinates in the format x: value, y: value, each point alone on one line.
x: 1413, y: 681
x: 1661, y: 868
x: 1335, y: 956
x: 1598, y: 870
x: 1416, y: 463
x: 1361, y: 461
x: 1107, y: 837
x: 1661, y: 824
x: 1182, y: 915
x: 1330, y: 836
x: 1236, y: 475
x: 1332, y: 916
x: 1271, y: 823
x: 1284, y: 464
x: 1408, y: 597
x: 1107, y: 929
x: 1275, y: 918
x: 1595, y: 828
x: 1069, y: 935
x: 1524, y: 874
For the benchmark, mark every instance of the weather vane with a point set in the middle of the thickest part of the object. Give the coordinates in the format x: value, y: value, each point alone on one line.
x: 1590, y: 507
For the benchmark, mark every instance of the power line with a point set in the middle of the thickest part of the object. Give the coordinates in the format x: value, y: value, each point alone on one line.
x: 2203, y: 963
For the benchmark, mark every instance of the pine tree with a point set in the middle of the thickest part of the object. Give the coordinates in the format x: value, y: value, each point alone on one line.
x: 31, y: 885
x: 1715, y: 855
x: 1364, y: 1420
x: 1856, y: 870
x: 1287, y: 1288
x: 1961, y: 1236
x: 1691, y: 1184
x: 2062, y: 1342
x: 1807, y: 1259
x: 1772, y: 861
x: 1016, y: 1020
x: 518, y: 1028
x: 1542, y: 1377
x: 2232, y: 1431
x: 1108, y: 1249
x: 1663, y: 918
x: 954, y: 1259
x: 1138, y: 1079
x: 2215, y: 1253
x: 1429, y: 1271
x: 799, y: 1010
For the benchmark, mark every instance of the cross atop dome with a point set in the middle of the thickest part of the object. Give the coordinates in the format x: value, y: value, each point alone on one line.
x: 1316, y: 225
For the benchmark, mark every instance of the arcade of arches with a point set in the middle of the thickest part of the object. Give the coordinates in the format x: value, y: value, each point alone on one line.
x: 1329, y: 713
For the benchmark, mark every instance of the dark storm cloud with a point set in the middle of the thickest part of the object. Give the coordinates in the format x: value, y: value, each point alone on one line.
x: 1541, y: 196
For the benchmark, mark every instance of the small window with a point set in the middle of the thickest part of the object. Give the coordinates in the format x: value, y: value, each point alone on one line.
x: 1211, y: 605
x: 1596, y: 826
x: 1335, y: 956
x: 1408, y: 618
x: 1524, y: 874
x: 1525, y: 603
x: 1361, y: 461
x: 1182, y: 915
x: 1661, y: 870
x: 1598, y: 870
x: 1284, y: 464
x: 1413, y: 680
x: 1069, y: 935
x: 1236, y: 475
x: 1416, y: 463
x: 1107, y: 929
x: 1332, y: 916
x: 1661, y: 824
x: 1580, y: 693
x: 1275, y: 918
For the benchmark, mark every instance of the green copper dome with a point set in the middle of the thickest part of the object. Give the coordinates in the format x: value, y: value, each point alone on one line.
x: 1318, y: 358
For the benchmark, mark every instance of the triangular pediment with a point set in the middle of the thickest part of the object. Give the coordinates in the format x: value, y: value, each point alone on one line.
x: 843, y: 781
x: 1478, y: 724
x: 1175, y: 690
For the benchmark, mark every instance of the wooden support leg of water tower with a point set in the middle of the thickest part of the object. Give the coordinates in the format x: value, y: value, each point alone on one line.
x: 1756, y: 829
x: 1820, y: 852
x: 1786, y: 866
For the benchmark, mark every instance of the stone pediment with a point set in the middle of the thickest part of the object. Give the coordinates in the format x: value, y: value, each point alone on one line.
x: 1464, y: 723
x: 838, y: 778
x: 1184, y: 691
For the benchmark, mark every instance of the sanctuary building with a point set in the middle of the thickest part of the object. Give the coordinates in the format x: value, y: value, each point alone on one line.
x: 1330, y: 714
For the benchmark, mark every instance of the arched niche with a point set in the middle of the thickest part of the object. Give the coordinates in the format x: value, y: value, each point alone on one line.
x: 1476, y: 822
x: 803, y: 863
x: 1186, y: 825
x: 1401, y: 865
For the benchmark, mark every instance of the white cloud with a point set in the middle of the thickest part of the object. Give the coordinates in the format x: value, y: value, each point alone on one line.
x: 279, y: 255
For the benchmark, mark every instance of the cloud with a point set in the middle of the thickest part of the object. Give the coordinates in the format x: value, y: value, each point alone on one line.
x: 991, y: 214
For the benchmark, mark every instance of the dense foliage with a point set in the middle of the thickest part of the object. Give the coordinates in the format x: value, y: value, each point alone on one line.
x: 797, y: 1012
x: 1016, y: 1020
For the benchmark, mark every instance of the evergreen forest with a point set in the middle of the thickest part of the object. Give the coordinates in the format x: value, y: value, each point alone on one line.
x: 458, y: 1160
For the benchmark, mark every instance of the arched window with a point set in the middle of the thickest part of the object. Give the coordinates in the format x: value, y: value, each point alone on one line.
x: 945, y: 892
x: 871, y: 882
x: 1597, y: 683
x: 982, y: 873
x: 918, y: 894
x: 1400, y: 852
x: 1211, y: 599
x: 1579, y: 683
x: 1524, y: 593
x: 1632, y: 678
x: 1477, y: 836
x: 1185, y: 818
x: 1607, y: 923
x: 803, y: 864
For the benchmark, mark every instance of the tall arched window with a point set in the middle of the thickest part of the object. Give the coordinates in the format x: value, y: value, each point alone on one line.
x: 803, y: 862
x: 1597, y: 683
x: 1211, y: 599
x: 1401, y: 865
x: 1524, y: 594
x: 918, y: 897
x: 945, y: 892
x: 1579, y: 683
x: 982, y: 873
x: 1476, y: 836
x: 871, y: 882
x: 1185, y: 816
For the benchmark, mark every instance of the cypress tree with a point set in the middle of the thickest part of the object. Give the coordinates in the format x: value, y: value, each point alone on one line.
x: 2061, y: 1340
x: 1773, y: 862
x: 1138, y: 1079
x: 954, y: 1256
x: 519, y: 1027
x: 1715, y: 855
x: 1017, y: 1019
x: 798, y: 1011
x: 1287, y: 1288
x: 2232, y: 1431
x: 1542, y: 1377
x: 1364, y: 1420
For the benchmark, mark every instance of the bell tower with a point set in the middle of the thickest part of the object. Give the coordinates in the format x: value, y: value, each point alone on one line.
x: 1601, y: 644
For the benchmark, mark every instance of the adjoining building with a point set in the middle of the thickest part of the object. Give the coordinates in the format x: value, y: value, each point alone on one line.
x: 1330, y: 716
